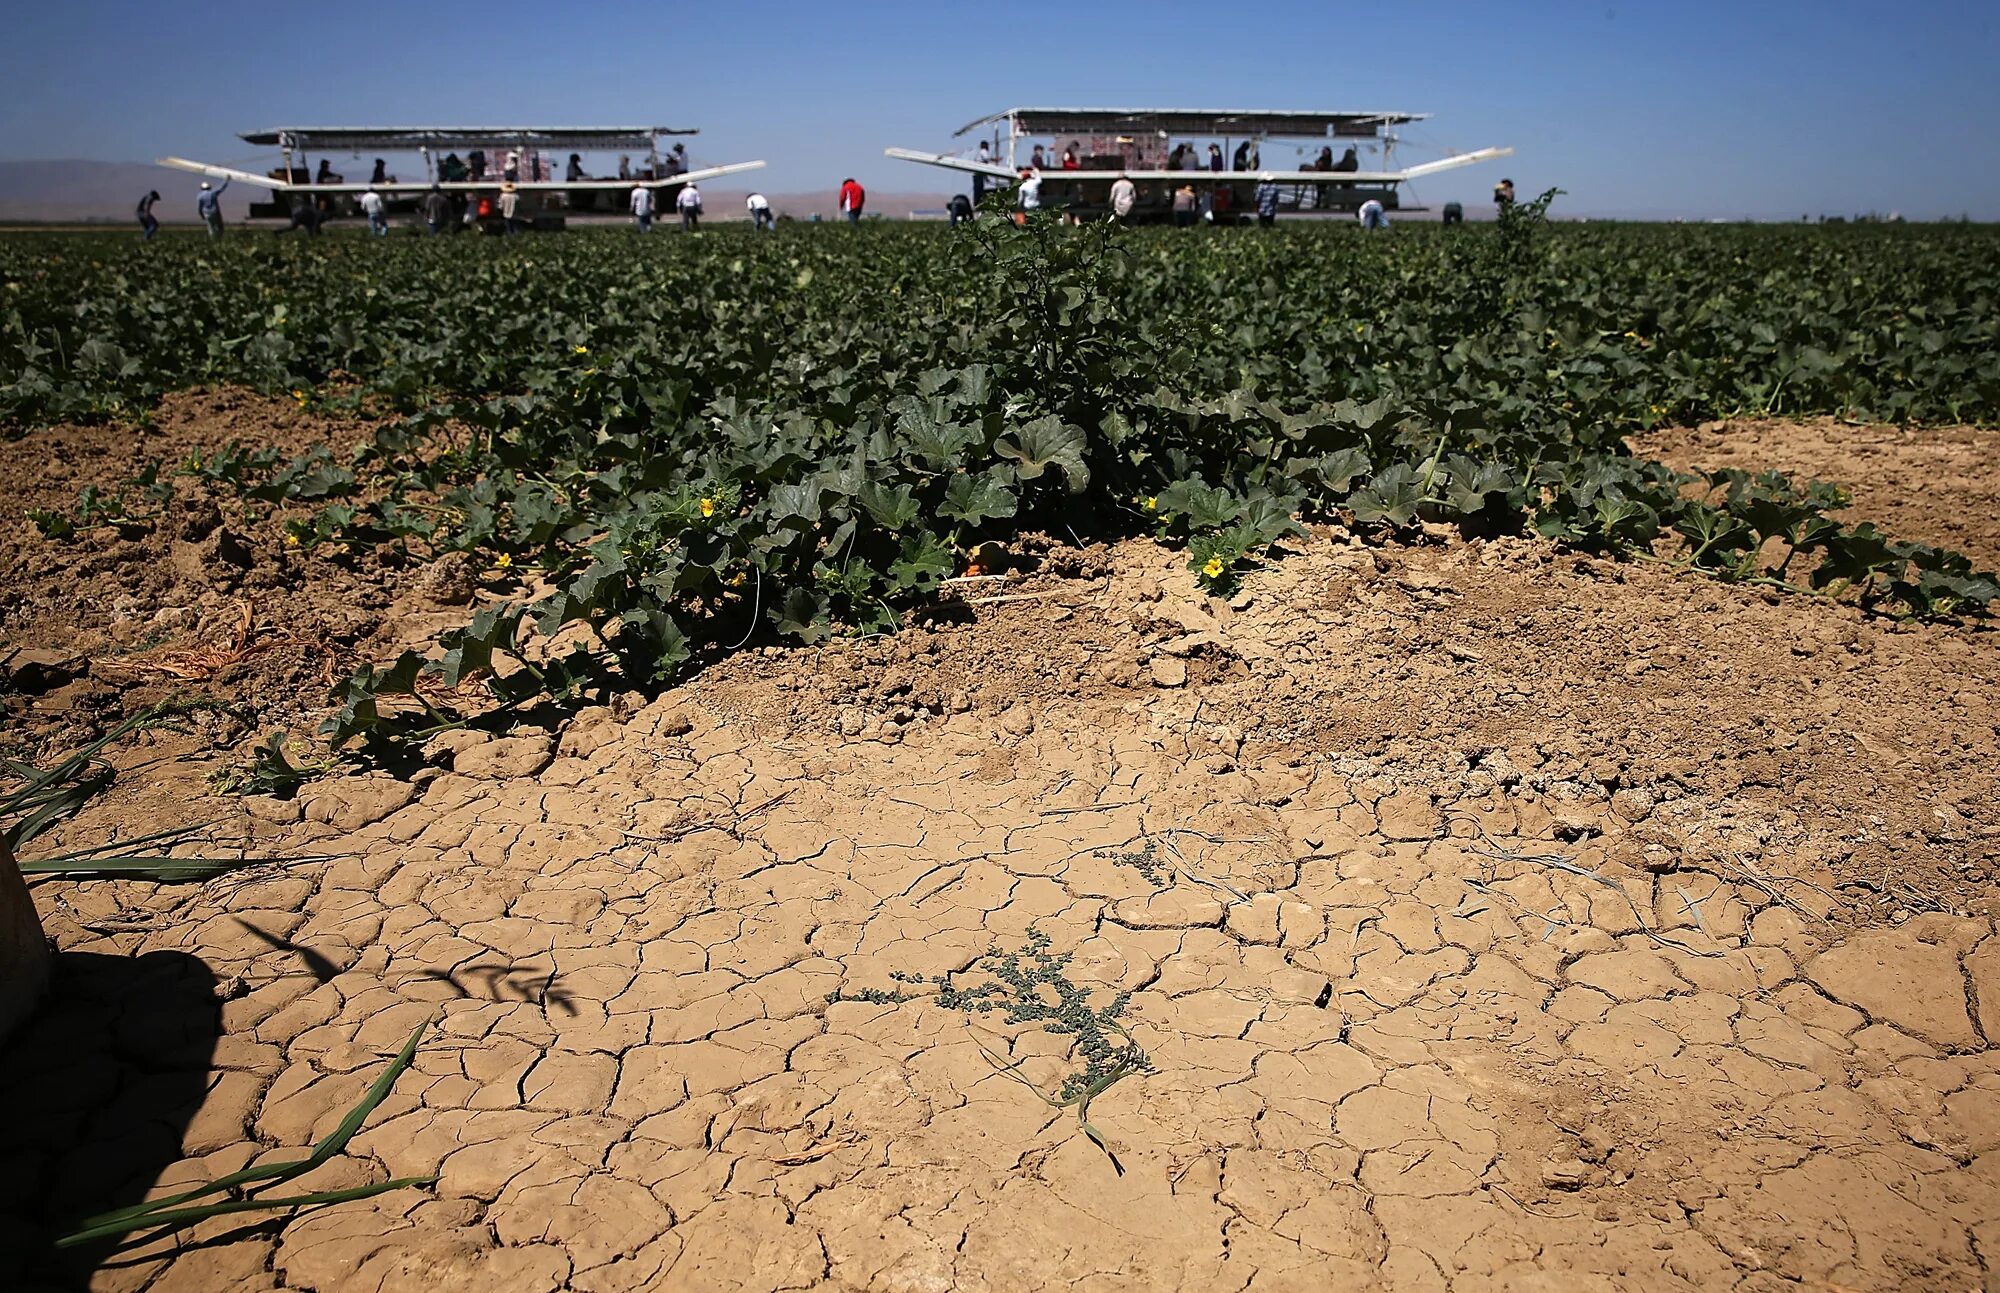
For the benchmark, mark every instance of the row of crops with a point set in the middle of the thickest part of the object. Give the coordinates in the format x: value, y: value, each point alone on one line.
x: 690, y: 442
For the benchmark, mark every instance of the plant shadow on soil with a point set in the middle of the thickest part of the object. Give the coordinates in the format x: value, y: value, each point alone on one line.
x: 102, y: 1084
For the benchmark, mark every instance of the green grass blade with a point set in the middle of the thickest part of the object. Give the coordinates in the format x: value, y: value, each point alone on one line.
x: 326, y: 1149
x: 177, y: 1217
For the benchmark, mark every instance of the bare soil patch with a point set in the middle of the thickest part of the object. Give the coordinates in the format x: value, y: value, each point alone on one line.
x: 1513, y: 919
x: 1936, y: 485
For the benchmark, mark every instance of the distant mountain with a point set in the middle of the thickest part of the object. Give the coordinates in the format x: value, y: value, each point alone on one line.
x: 78, y: 192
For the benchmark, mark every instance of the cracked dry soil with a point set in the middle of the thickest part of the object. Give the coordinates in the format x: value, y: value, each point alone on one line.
x: 1484, y: 960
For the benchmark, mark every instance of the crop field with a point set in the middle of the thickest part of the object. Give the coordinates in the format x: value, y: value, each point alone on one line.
x: 895, y: 757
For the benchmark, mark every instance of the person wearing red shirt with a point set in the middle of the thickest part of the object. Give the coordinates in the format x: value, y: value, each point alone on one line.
x: 1070, y: 162
x: 852, y: 198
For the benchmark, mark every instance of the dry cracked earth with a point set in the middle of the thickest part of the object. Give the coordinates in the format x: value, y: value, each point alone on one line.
x: 1466, y: 956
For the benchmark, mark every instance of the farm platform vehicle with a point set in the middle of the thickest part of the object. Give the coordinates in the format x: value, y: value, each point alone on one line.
x: 1162, y: 149
x: 470, y: 164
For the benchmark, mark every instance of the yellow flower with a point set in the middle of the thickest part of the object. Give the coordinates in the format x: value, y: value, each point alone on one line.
x: 1213, y: 569
x: 291, y: 540
x: 581, y: 350
x: 708, y: 507
x: 1153, y: 504
x: 504, y: 560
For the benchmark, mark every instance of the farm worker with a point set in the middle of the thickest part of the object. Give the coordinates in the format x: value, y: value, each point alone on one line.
x: 1267, y: 200
x: 985, y: 158
x: 510, y: 205
x: 1069, y: 158
x: 326, y: 175
x: 476, y: 160
x: 377, y: 213
x: 1349, y: 161
x: 1503, y: 196
x: 1454, y: 213
x: 305, y: 215
x: 512, y: 174
x: 1241, y: 160
x: 1215, y: 158
x: 1035, y: 159
x: 624, y: 167
x: 146, y: 220
x: 852, y: 198
x: 689, y: 203
x: 209, y: 207
x: 1029, y: 196
x: 642, y: 207
x: 575, y: 171
x: 1184, y: 206
x: 1372, y: 216
x: 436, y: 208
x: 1124, y: 196
x: 960, y: 209
x: 762, y: 219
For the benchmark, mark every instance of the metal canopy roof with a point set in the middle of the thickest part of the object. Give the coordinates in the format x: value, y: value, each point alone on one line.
x: 1197, y: 121
x: 341, y: 138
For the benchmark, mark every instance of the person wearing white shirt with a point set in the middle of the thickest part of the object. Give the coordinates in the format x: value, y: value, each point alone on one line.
x: 642, y: 207
x: 1124, y: 195
x: 761, y: 218
x: 1029, y: 195
x: 689, y: 203
x: 377, y: 213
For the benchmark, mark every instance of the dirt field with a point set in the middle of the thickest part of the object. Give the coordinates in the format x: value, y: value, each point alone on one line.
x: 1511, y: 921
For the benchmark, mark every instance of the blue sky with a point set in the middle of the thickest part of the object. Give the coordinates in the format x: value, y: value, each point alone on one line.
x: 1697, y: 109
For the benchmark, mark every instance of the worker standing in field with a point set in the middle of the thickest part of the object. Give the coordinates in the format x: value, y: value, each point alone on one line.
x: 1028, y: 197
x: 852, y: 198
x: 1184, y: 206
x: 510, y: 206
x: 305, y: 215
x: 762, y: 218
x: 147, y: 222
x: 436, y: 209
x: 209, y: 207
x: 1503, y: 197
x: 642, y: 208
x: 377, y: 212
x: 1124, y: 196
x: 689, y: 203
x: 1372, y: 216
x: 1267, y: 200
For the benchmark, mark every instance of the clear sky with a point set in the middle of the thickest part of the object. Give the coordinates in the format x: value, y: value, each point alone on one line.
x: 1767, y: 108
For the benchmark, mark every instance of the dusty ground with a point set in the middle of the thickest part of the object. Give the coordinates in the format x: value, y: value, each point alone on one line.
x: 1511, y: 921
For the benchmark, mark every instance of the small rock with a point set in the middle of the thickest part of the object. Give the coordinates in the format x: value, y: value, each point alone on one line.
x: 959, y: 702
x: 1168, y: 671
x: 1566, y: 1174
x: 1573, y: 827
x: 1633, y: 804
x: 34, y: 671
x: 451, y: 580
x: 853, y: 720
x: 676, y: 722
x: 1017, y: 720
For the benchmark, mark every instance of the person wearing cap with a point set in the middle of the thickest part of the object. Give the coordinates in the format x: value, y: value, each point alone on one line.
x: 209, y: 207
x: 1267, y: 200
x: 762, y: 218
x: 689, y: 203
x: 1124, y: 196
x: 1372, y: 216
x: 378, y: 214
x: 1029, y: 195
x: 642, y: 208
